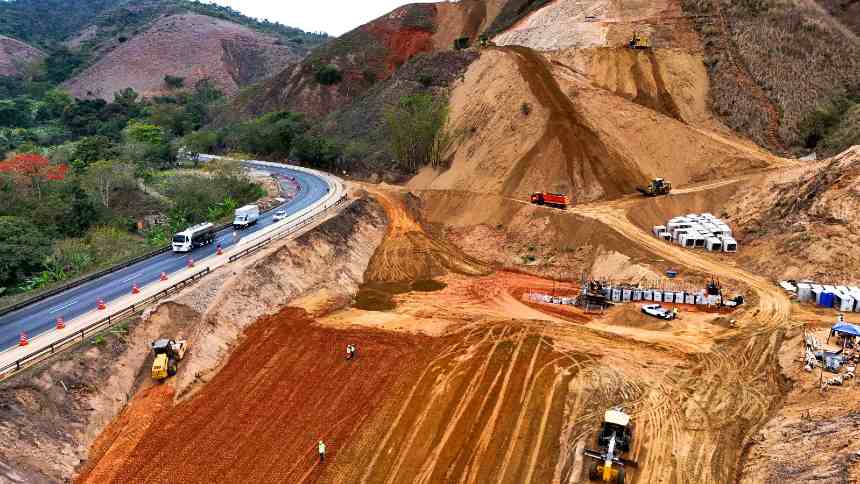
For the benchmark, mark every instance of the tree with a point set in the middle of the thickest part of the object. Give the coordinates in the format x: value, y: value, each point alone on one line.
x: 417, y: 131
x: 23, y: 248
x: 174, y: 82
x: 316, y: 150
x: 328, y: 75
x: 138, y: 132
x: 32, y: 171
x: 105, y: 176
x: 90, y: 149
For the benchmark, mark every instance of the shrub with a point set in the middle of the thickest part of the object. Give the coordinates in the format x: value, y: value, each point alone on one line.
x: 328, y: 75
x: 174, y: 82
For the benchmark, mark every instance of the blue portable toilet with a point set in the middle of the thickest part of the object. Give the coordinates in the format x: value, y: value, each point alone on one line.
x: 826, y: 300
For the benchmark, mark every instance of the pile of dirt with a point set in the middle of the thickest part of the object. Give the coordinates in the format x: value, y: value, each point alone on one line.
x: 16, y: 56
x: 190, y: 46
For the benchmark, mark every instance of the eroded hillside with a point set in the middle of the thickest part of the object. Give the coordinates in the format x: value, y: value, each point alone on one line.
x: 15, y: 56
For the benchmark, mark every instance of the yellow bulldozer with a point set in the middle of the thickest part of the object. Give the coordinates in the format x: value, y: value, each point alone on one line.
x: 168, y: 354
x: 639, y: 41
x: 656, y: 187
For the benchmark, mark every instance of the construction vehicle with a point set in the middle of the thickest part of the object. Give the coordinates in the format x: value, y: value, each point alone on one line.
x: 168, y: 353
x: 614, y: 440
x: 557, y: 200
x: 639, y: 41
x: 658, y: 186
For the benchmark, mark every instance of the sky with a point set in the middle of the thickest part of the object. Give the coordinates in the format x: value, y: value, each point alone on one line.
x: 335, y: 17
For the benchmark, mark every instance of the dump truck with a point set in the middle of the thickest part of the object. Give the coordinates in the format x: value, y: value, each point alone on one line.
x: 168, y: 353
x: 613, y: 441
x: 657, y: 186
x: 639, y: 41
x: 557, y: 200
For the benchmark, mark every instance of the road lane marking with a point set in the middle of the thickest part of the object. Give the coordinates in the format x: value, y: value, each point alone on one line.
x: 64, y: 306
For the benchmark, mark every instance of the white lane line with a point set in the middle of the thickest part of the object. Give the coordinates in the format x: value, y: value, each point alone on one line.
x: 64, y: 306
x: 131, y: 276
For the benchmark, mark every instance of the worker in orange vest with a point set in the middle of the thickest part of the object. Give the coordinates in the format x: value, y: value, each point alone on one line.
x: 321, y: 449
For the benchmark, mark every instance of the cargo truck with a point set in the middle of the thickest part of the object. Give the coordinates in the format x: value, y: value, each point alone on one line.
x: 246, y: 216
x: 556, y: 200
x: 193, y: 237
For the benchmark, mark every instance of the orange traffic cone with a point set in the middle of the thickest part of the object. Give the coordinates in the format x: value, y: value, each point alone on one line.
x: 191, y: 262
x: 135, y: 289
x: 23, y: 341
x: 100, y: 304
x: 60, y: 323
x: 163, y: 276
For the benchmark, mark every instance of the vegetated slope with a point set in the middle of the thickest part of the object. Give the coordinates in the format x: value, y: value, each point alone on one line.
x: 15, y: 56
x: 773, y: 63
x: 43, y: 22
x: 804, y: 225
x: 371, y: 53
x: 190, y: 46
x: 525, y: 125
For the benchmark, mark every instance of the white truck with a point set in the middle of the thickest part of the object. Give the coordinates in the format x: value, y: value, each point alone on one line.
x: 193, y: 237
x: 246, y: 216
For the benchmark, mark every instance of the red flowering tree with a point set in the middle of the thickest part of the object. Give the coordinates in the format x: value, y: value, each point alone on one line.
x: 32, y: 171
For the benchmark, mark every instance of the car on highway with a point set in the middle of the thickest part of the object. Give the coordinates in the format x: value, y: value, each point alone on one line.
x: 657, y: 311
x: 280, y: 215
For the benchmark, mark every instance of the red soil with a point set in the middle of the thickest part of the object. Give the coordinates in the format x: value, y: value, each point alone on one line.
x: 285, y: 387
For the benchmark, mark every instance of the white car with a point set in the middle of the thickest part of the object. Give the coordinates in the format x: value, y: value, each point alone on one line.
x: 280, y: 215
x: 657, y: 311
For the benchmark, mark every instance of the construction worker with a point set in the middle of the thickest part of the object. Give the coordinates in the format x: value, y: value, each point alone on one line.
x: 675, y: 312
x: 840, y: 319
x: 348, y: 352
x: 321, y: 449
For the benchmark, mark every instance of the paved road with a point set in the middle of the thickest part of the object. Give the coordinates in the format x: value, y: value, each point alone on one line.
x: 41, y: 316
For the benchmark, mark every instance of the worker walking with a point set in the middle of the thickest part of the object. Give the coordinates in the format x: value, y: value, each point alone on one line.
x: 350, y: 351
x: 321, y: 448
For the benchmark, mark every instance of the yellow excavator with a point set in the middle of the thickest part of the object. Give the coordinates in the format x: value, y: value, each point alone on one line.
x: 168, y: 353
x: 614, y: 440
x: 657, y: 186
x: 639, y: 41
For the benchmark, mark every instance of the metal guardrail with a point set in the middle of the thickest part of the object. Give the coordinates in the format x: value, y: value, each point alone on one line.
x: 286, y: 233
x: 80, y: 335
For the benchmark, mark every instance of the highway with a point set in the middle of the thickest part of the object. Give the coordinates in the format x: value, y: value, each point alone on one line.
x: 42, y: 316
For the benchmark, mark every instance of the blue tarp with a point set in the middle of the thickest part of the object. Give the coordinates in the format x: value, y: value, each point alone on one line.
x: 845, y: 328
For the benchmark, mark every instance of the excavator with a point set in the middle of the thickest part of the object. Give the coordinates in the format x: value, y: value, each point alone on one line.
x: 658, y: 186
x: 639, y: 41
x: 168, y: 353
x: 614, y: 440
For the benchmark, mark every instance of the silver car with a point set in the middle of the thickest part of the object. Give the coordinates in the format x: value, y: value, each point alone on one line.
x: 657, y: 311
x: 280, y: 215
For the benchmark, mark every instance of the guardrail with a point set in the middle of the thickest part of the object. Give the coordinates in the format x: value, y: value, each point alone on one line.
x: 80, y: 335
x: 287, y: 232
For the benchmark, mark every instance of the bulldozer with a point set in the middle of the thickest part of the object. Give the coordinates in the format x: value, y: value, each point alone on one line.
x: 657, y: 186
x: 639, y: 41
x: 168, y: 353
x: 614, y: 440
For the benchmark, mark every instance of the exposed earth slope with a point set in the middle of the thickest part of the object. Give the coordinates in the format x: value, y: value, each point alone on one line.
x: 15, y: 56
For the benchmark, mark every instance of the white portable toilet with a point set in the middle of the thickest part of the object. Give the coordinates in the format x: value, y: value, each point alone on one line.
x: 679, y: 297
x: 714, y: 244
x: 730, y: 245
x: 637, y: 294
x: 687, y: 240
x: 647, y: 295
x: 658, y: 296
x: 627, y: 295
x: 689, y: 299
x: 700, y: 299
x: 658, y: 229
x: 804, y: 291
x: 616, y: 294
x: 666, y: 236
x: 844, y: 302
x: 699, y: 240
x: 817, y: 291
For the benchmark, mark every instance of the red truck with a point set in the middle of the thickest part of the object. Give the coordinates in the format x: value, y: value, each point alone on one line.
x: 556, y: 200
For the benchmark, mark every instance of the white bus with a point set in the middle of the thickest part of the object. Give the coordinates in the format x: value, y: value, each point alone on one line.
x: 193, y: 237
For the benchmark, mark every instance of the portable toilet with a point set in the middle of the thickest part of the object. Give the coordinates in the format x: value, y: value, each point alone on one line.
x: 714, y: 244
x: 708, y: 216
x: 700, y: 299
x: 689, y: 299
x: 699, y: 240
x: 804, y: 291
x: 627, y: 295
x: 730, y: 245
x: 666, y: 236
x: 637, y: 295
x: 658, y: 229
x: 817, y: 291
x: 844, y: 302
x: 658, y: 296
x: 826, y: 299
x: 616, y: 294
x: 688, y: 240
x: 679, y: 298
x: 647, y: 295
